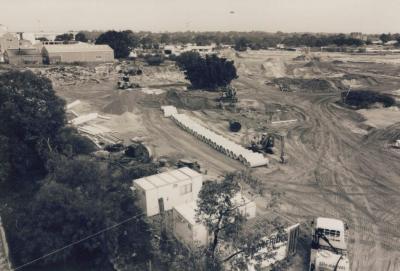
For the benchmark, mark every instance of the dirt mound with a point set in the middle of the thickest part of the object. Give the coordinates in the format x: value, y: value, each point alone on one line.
x: 389, y: 134
x: 274, y: 68
x: 307, y: 85
x: 191, y: 100
x: 359, y: 80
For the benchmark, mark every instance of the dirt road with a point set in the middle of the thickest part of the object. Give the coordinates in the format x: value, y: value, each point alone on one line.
x: 336, y: 172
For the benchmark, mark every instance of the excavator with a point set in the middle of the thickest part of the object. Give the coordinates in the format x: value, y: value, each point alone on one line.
x: 265, y: 144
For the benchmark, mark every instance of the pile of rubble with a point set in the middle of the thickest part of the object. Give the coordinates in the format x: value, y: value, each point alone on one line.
x: 76, y: 74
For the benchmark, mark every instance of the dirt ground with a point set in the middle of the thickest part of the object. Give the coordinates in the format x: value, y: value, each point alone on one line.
x: 340, y: 164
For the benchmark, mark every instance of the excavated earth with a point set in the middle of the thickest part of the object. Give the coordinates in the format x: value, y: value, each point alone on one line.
x: 340, y: 163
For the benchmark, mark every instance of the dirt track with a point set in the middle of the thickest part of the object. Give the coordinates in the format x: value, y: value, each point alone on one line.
x: 333, y: 169
x: 336, y: 172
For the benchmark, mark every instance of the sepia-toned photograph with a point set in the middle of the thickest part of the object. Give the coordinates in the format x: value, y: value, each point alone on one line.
x: 199, y: 135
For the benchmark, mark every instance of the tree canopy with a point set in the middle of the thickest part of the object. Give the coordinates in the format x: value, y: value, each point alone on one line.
x: 54, y: 194
x: 209, y: 72
x: 121, y: 41
x: 32, y: 117
x: 81, y: 36
x: 65, y: 37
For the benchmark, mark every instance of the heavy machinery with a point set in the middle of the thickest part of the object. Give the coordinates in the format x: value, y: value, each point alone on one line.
x: 328, y: 246
x: 265, y: 144
x: 125, y: 83
x: 396, y: 144
x: 228, y: 96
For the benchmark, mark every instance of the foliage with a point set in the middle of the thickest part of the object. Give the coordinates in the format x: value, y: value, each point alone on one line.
x: 80, y: 36
x: 81, y: 197
x: 218, y: 211
x: 241, y: 44
x: 122, y: 42
x: 32, y: 117
x: 154, y: 60
x: 364, y: 99
x: 385, y: 37
x: 233, y: 243
x: 208, y: 72
x: 65, y: 37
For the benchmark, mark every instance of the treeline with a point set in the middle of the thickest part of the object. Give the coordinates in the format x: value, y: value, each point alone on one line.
x: 254, y: 39
x: 54, y: 191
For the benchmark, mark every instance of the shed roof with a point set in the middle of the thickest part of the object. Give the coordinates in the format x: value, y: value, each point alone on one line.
x: 166, y: 178
x: 77, y: 47
x: 187, y: 211
x: 22, y: 51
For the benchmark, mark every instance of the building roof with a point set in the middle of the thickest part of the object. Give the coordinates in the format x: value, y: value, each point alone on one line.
x: 329, y: 223
x: 166, y: 178
x: 77, y: 47
x: 22, y: 51
x: 187, y: 211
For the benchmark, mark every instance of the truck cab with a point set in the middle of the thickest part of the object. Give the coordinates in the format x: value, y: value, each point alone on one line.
x: 328, y: 246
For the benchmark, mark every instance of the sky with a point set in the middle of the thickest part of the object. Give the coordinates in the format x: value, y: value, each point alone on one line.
x: 367, y: 16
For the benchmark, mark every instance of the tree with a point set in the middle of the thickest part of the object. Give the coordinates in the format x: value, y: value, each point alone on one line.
x: 31, y: 117
x: 385, y: 37
x: 80, y: 36
x: 80, y: 198
x: 219, y: 210
x: 121, y: 42
x: 208, y: 72
x: 165, y: 38
x: 241, y: 44
x: 65, y: 37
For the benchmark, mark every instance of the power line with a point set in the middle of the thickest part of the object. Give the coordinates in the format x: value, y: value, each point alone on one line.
x: 77, y: 242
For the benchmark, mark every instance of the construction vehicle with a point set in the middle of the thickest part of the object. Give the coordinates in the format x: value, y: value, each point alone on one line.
x: 125, y: 83
x: 329, y: 246
x: 189, y: 163
x: 396, y: 144
x: 228, y: 96
x: 265, y: 144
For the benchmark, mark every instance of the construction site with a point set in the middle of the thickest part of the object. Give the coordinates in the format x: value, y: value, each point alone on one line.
x: 282, y: 122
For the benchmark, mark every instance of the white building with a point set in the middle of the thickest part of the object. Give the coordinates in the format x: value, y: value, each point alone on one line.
x: 188, y: 231
x: 162, y: 192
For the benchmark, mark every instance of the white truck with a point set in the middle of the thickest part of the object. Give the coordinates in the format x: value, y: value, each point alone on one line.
x: 329, y: 246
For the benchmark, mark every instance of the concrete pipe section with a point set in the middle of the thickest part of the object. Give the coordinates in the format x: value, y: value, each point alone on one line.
x: 218, y: 142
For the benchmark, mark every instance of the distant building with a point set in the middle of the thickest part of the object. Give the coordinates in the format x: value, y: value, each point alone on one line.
x: 78, y: 52
x: 23, y: 56
x: 162, y: 192
x: 7, y: 41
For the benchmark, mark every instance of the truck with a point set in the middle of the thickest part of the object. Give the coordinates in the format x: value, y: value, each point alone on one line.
x: 329, y: 245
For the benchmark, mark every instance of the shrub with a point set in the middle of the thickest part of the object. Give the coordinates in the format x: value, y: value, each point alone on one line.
x: 364, y: 99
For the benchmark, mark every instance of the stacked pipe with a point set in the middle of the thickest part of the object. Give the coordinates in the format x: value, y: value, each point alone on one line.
x: 220, y: 143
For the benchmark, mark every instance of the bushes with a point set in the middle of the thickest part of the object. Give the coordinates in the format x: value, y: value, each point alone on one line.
x: 364, y: 99
x: 209, y: 73
x: 154, y: 60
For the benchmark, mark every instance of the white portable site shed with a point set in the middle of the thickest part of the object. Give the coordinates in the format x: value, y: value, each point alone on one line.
x: 162, y: 192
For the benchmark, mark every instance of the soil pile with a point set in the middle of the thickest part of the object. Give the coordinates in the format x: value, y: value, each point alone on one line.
x: 306, y: 85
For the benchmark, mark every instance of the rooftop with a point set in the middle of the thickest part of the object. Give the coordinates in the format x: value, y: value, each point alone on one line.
x: 166, y: 178
x: 76, y: 47
x: 188, y: 211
